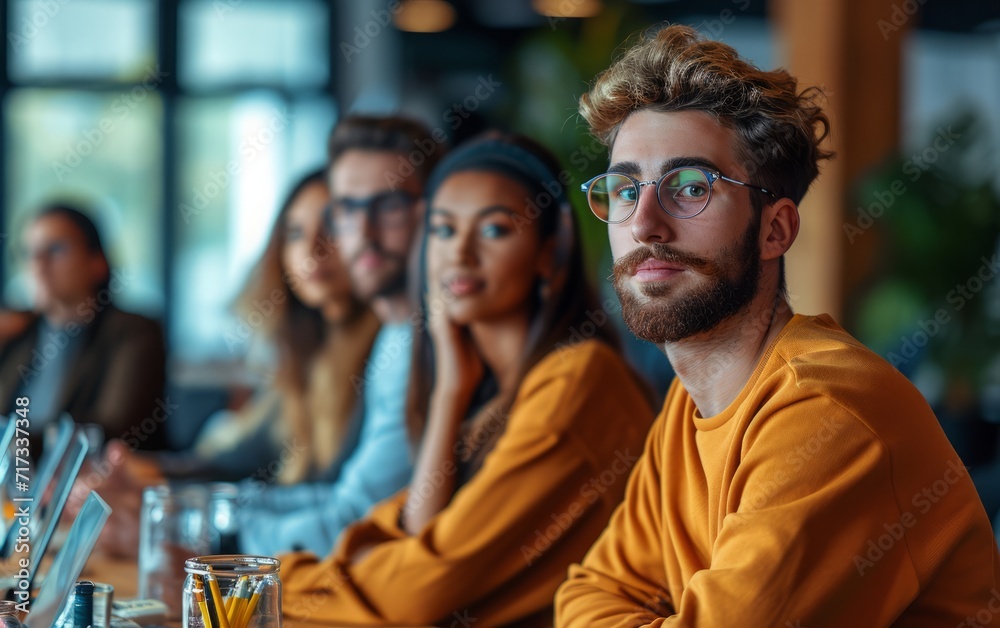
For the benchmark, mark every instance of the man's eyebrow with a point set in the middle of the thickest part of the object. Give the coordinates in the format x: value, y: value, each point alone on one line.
x: 626, y: 167
x: 632, y: 168
x: 687, y: 162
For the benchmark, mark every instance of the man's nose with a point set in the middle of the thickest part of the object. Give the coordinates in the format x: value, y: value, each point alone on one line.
x: 650, y: 223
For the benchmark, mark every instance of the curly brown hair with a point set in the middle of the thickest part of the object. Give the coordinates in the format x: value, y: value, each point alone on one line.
x: 779, y: 129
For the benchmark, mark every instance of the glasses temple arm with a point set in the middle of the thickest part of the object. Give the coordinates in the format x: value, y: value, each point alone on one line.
x: 747, y: 185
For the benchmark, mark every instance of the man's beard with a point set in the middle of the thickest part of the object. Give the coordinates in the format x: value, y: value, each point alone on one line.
x: 393, y: 285
x: 390, y: 285
x: 734, y: 277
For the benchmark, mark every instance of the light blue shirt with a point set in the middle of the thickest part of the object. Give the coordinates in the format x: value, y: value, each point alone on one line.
x: 311, y: 516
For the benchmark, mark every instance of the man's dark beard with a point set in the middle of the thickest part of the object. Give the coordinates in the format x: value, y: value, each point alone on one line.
x: 734, y: 277
x: 394, y: 284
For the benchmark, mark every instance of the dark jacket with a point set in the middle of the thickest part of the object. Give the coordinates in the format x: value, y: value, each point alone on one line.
x: 116, y: 379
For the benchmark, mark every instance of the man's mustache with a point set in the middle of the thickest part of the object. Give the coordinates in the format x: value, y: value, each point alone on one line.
x: 626, y: 265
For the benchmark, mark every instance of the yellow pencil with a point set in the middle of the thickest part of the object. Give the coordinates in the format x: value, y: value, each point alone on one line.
x: 241, y: 604
x: 199, y: 597
x: 233, y: 600
x: 252, y: 605
x: 217, y: 603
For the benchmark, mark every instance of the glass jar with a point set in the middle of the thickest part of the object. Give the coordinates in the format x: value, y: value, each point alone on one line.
x: 8, y: 615
x: 247, y: 589
x: 172, y: 527
x: 178, y: 522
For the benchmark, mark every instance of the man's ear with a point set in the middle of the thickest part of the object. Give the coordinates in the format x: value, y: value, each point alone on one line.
x: 779, y: 226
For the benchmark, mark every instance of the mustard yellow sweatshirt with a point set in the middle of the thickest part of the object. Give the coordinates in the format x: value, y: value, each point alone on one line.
x: 826, y: 494
x: 499, y: 550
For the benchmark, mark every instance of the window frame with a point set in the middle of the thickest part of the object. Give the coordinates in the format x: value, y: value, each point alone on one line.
x: 171, y: 93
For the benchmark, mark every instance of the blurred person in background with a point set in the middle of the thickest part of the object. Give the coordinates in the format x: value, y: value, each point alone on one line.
x: 320, y: 333
x: 373, y: 207
x: 524, y: 453
x: 377, y: 166
x: 80, y: 354
x: 310, y: 416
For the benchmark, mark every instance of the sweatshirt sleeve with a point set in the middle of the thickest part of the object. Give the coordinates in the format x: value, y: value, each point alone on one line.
x: 793, y: 552
x: 621, y: 581
x: 473, y: 547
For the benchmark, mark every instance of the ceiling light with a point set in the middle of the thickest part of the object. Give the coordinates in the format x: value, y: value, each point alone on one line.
x: 425, y: 16
x: 568, y: 8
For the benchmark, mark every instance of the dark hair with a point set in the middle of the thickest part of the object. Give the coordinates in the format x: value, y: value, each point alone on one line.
x: 553, y: 317
x: 85, y: 226
x: 421, y: 149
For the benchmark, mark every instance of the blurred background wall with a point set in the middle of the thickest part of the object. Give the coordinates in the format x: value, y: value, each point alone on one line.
x: 184, y: 122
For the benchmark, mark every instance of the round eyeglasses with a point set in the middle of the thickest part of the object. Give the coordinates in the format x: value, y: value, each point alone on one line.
x: 682, y: 193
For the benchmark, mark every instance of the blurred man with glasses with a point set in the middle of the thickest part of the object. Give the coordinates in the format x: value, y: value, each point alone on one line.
x: 374, y: 217
x: 793, y: 477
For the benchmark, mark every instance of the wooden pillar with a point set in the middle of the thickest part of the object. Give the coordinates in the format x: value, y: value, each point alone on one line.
x: 853, y: 50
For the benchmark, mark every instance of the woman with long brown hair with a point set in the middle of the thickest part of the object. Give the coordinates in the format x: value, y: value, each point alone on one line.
x: 299, y: 297
x: 299, y: 303
x: 526, y: 436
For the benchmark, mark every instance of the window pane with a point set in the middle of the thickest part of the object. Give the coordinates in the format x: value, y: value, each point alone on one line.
x: 97, y: 150
x: 106, y: 39
x: 237, y: 156
x: 253, y: 43
x: 946, y: 75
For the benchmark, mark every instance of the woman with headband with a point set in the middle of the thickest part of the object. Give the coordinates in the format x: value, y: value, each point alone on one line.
x: 527, y: 437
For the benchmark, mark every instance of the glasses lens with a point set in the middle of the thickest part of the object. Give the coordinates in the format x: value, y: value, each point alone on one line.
x: 685, y: 191
x: 389, y: 203
x: 392, y: 209
x: 613, y: 197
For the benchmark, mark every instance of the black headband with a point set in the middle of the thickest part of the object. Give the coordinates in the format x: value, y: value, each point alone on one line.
x: 520, y: 165
x: 503, y: 157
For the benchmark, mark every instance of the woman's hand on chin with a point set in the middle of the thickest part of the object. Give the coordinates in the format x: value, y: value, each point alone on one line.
x: 459, y: 368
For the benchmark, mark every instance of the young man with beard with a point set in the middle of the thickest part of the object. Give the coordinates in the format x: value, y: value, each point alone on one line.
x: 793, y: 477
